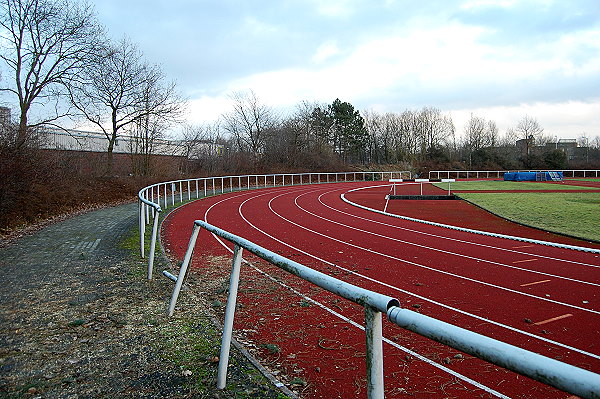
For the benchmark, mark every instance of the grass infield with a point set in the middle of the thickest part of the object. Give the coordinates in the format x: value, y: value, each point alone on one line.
x: 575, y: 214
x: 509, y: 185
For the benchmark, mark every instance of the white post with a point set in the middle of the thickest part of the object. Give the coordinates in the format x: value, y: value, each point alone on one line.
x: 152, y: 245
x: 166, y: 197
x: 184, y: 266
x: 373, y: 331
x: 142, y: 229
x: 229, y: 316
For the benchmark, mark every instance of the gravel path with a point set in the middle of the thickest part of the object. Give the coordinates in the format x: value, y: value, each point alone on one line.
x: 78, y: 319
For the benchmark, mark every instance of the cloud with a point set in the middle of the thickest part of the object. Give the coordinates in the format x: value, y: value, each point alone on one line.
x: 568, y: 119
x: 326, y: 51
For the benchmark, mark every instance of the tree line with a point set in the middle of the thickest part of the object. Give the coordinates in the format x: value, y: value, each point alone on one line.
x: 321, y: 136
x: 60, y: 63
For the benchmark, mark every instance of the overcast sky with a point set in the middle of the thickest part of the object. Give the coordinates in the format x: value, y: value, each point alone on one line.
x: 498, y: 59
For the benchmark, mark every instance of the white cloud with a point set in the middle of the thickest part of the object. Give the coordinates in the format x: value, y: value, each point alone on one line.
x: 564, y: 120
x: 473, y: 4
x: 326, y: 51
x: 207, y: 108
x: 335, y: 8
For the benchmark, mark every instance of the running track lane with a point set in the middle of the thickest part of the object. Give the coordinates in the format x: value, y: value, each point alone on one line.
x: 472, y: 286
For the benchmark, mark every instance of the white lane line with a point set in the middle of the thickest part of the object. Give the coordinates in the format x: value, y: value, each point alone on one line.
x: 441, y: 250
x: 409, y: 292
x: 455, y: 239
x: 357, y: 325
x: 431, y: 268
x: 472, y: 231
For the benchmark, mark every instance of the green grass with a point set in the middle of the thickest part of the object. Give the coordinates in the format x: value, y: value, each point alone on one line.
x: 586, y: 179
x: 576, y: 214
x: 508, y: 185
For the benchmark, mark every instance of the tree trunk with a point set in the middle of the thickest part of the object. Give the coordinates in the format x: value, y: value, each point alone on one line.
x: 22, y: 134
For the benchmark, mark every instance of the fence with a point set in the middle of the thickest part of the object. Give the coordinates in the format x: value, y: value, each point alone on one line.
x: 152, y: 197
x: 560, y: 375
x: 499, y: 173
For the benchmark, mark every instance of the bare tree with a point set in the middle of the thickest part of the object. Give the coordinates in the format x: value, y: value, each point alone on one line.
x: 47, y: 43
x: 249, y: 122
x: 529, y: 129
x: 120, y: 90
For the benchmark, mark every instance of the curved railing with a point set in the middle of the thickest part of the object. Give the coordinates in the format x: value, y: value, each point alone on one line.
x: 547, y: 370
x: 468, y: 174
x: 155, y: 198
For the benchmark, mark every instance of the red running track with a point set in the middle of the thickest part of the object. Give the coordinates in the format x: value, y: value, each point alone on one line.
x: 540, y: 298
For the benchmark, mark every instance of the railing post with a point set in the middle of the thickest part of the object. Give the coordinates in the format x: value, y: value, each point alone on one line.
x: 142, y: 229
x: 373, y: 332
x: 229, y: 315
x: 182, y: 271
x: 153, y: 244
x: 147, y: 219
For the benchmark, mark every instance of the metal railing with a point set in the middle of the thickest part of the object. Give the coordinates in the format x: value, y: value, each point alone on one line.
x: 170, y: 193
x: 467, y: 174
x: 560, y: 375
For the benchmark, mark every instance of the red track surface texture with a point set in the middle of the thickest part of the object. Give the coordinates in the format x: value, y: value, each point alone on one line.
x: 540, y: 298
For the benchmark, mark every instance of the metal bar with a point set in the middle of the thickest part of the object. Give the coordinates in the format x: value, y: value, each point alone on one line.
x: 183, y: 269
x: 197, y: 191
x: 142, y: 229
x: 169, y: 275
x: 560, y: 375
x: 189, y: 191
x: 147, y: 220
x: 229, y: 316
x: 345, y: 290
x: 204, y: 188
x: 153, y: 245
x: 180, y: 191
x: 374, y: 338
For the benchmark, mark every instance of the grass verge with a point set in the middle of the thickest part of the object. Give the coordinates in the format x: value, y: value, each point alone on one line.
x: 575, y: 214
x: 190, y: 341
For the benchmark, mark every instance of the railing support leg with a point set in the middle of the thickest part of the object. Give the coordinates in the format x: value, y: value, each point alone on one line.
x: 229, y: 315
x: 142, y: 229
x: 153, y: 245
x: 374, y: 335
x: 183, y: 269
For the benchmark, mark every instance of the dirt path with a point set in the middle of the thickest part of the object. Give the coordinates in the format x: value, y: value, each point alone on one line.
x: 78, y: 319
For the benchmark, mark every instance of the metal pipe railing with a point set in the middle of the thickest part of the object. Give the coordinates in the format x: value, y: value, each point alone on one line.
x: 566, y: 377
x: 486, y: 173
x: 150, y: 205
